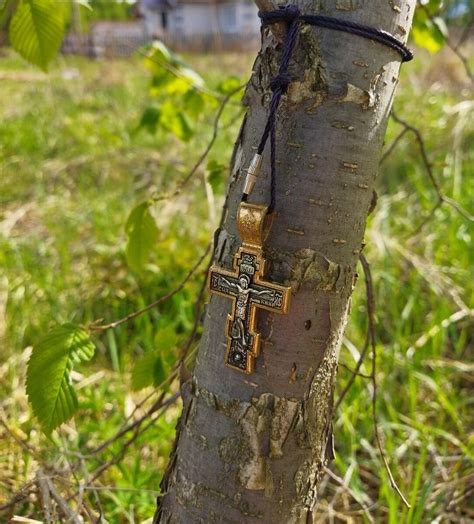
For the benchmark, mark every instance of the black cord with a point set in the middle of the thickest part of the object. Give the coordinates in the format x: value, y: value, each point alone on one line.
x: 291, y: 15
x: 291, y: 12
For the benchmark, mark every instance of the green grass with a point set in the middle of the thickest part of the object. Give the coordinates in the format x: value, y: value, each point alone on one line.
x: 72, y: 166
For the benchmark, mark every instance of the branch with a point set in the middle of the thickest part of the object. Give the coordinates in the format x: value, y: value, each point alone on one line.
x: 45, y: 496
x: 156, y: 406
x: 393, y: 145
x: 206, y: 151
x: 18, y: 497
x: 137, y: 431
x: 442, y: 198
x: 164, y: 298
x: 215, y: 132
x: 177, y: 73
x: 372, y: 337
x: 197, y: 316
x: 355, y: 373
x: 454, y: 47
x: 346, y: 488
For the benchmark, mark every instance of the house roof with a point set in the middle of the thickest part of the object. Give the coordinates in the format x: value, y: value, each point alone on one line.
x: 159, y: 5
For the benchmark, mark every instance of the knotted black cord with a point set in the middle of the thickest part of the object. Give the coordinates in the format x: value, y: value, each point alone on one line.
x: 291, y: 15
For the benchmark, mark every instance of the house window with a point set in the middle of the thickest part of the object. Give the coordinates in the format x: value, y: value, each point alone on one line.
x: 229, y: 18
x: 164, y: 19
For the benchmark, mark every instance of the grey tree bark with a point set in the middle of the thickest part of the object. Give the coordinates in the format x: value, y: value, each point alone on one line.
x: 253, y: 448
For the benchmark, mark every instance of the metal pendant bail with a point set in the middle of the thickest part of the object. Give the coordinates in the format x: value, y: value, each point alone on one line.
x: 254, y: 223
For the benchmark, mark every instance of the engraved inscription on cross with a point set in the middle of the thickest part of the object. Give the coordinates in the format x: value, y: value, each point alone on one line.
x: 249, y: 292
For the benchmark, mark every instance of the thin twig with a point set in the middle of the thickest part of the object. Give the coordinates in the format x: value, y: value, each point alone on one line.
x: 177, y: 73
x: 372, y: 337
x: 130, y: 427
x: 206, y: 151
x: 453, y: 47
x: 426, y: 220
x: 116, y: 488
x: 215, y: 132
x: 164, y: 298
x: 45, y: 496
x: 346, y: 488
x: 23, y: 444
x: 393, y: 145
x: 62, y: 504
x: 355, y: 373
x: 158, y: 404
x: 197, y: 314
x: 429, y: 169
x: 94, y: 491
x: 23, y: 493
x: 137, y: 431
x: 467, y: 29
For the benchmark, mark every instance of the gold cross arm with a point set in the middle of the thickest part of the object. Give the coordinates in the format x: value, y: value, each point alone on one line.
x: 248, y: 290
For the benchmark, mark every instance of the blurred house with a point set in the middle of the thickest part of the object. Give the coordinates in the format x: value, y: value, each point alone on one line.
x: 205, y: 18
x: 117, y: 38
x: 183, y: 25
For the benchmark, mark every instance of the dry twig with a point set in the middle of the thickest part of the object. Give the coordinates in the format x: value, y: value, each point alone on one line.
x: 373, y: 345
x: 164, y: 298
x: 455, y: 48
x: 206, y: 151
x: 347, y: 489
x: 442, y: 198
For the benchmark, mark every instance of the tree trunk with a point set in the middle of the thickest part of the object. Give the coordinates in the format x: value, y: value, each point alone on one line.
x: 253, y: 448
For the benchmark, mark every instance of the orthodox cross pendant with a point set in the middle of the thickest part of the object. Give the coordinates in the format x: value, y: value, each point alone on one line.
x: 247, y: 289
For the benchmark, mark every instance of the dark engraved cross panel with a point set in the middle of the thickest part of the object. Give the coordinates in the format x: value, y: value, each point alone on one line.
x: 249, y: 292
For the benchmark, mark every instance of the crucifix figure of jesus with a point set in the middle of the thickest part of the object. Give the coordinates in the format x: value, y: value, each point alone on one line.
x: 249, y: 292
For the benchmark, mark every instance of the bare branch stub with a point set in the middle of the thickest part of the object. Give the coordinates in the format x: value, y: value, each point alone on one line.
x: 279, y: 29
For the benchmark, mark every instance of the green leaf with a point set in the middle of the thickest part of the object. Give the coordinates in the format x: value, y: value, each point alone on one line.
x: 229, y: 84
x: 428, y: 33
x: 142, y: 234
x: 165, y: 83
x: 159, y: 371
x: 6, y: 9
x: 191, y: 76
x: 150, y: 119
x: 216, y: 173
x: 48, y: 382
x: 142, y: 372
x: 166, y: 339
x: 157, y: 55
x: 160, y: 80
x: 151, y: 369
x: 194, y: 103
x: 176, y: 122
x: 166, y: 342
x: 148, y: 371
x: 37, y: 30
x: 85, y: 4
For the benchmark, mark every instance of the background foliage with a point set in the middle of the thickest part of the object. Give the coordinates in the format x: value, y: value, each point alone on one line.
x: 105, y: 208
